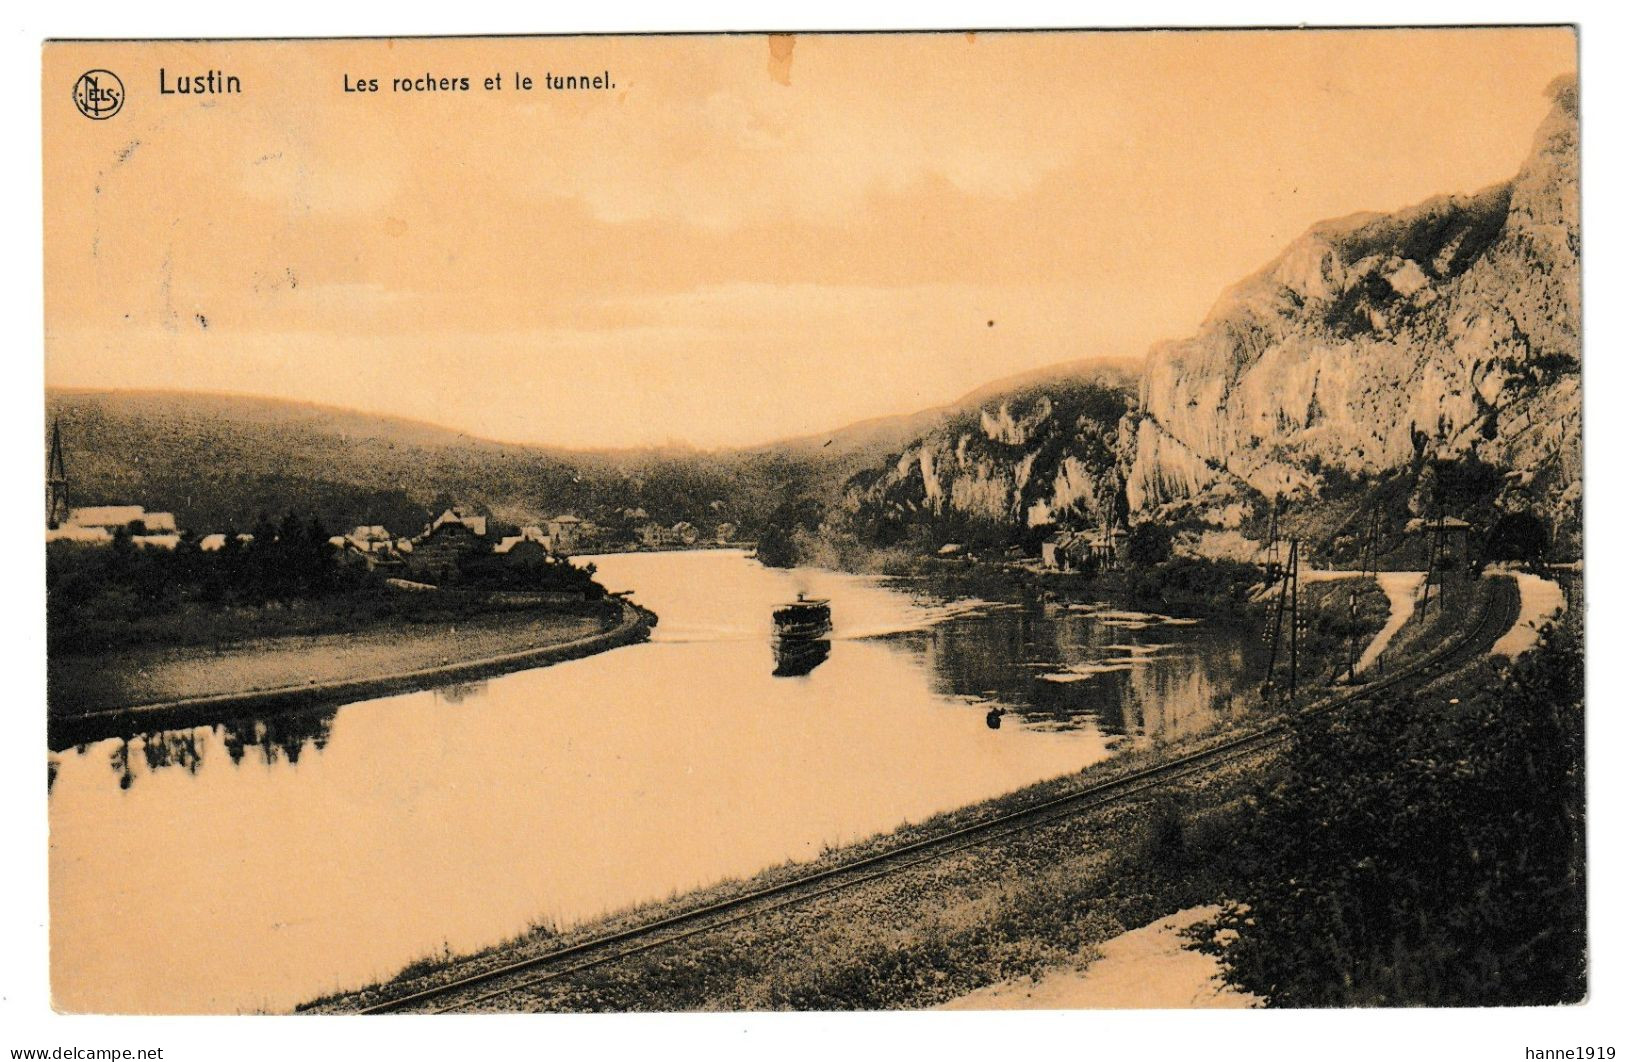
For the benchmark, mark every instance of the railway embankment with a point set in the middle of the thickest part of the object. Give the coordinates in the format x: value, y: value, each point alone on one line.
x: 1035, y: 880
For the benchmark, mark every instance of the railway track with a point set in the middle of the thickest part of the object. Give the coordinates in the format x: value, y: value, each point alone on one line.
x: 490, y: 985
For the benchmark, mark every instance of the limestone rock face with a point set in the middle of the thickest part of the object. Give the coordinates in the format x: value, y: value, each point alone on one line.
x: 1451, y: 327
x: 1034, y: 456
x: 1371, y: 344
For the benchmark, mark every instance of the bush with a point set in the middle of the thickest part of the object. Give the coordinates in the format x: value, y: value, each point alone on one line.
x: 1420, y: 853
x: 548, y: 573
x: 1149, y: 544
x: 1194, y: 585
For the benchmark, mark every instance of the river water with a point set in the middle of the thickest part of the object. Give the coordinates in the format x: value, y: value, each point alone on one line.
x: 255, y: 865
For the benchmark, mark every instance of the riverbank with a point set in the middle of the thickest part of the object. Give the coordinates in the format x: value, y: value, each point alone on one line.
x: 1020, y: 904
x: 98, y: 695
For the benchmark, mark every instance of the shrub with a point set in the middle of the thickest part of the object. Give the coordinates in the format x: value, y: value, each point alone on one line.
x: 1149, y: 544
x: 1419, y: 853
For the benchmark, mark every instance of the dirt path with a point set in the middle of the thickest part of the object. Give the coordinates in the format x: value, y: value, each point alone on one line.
x: 1539, y: 602
x: 1401, y: 588
x: 1150, y: 968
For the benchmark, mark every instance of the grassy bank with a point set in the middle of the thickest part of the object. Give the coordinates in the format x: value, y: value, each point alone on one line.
x: 974, y: 917
x: 1000, y: 910
x: 1005, y: 909
x: 1422, y: 850
x: 269, y: 616
x: 397, y: 664
x: 333, y: 648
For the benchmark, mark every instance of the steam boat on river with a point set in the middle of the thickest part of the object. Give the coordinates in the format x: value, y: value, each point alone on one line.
x: 804, y: 619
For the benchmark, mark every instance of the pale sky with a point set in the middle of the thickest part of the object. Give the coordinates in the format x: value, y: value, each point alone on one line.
x: 722, y: 249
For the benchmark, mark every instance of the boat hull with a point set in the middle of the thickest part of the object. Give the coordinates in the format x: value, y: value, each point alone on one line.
x: 805, y: 630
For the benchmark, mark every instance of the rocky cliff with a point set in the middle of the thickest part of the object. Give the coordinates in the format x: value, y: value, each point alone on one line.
x: 1371, y: 346
x: 1447, y: 329
x: 1023, y: 459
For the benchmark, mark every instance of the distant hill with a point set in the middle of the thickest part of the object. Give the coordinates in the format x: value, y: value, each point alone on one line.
x: 220, y: 461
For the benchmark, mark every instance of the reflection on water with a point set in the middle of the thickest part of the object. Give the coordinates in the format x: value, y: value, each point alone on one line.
x: 458, y: 692
x: 1145, y: 676
x: 795, y: 657
x: 278, y: 737
x: 274, y: 739
x: 258, y: 863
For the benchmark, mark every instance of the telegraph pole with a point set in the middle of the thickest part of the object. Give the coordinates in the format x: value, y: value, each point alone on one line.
x: 1368, y: 570
x: 1427, y: 580
x: 1272, y: 551
x: 1285, y: 603
x: 56, y: 482
x: 1292, y: 682
x: 1442, y: 552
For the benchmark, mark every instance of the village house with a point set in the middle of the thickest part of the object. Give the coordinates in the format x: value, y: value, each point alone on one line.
x: 97, y: 524
x: 85, y: 536
x: 1071, y: 550
x: 656, y: 536
x: 372, y: 545
x: 531, y: 543
x: 133, y: 517
x: 370, y: 538
x: 452, y: 535
x: 684, y: 532
x: 565, y: 533
x: 517, y: 549
x: 1052, y: 551
x: 1065, y: 551
x: 1109, y: 547
x: 217, y: 541
x: 726, y: 532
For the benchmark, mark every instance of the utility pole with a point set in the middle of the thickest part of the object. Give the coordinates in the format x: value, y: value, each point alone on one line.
x: 1292, y: 682
x: 1442, y: 552
x: 1354, y: 616
x: 1285, y: 603
x: 1275, y: 639
x: 1438, y: 554
x: 56, y: 482
x: 1368, y: 570
x: 1427, y: 579
x: 1272, y: 550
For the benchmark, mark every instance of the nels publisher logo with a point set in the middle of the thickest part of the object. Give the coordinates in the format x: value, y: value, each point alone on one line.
x: 98, y: 94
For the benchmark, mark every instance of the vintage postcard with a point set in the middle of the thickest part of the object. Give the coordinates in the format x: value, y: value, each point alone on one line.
x: 882, y: 521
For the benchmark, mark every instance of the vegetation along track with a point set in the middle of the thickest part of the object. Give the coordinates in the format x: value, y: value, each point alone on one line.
x: 486, y: 986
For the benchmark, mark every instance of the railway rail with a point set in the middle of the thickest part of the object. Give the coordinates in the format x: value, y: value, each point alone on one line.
x: 489, y: 985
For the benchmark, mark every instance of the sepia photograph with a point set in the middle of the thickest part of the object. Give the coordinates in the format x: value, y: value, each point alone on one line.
x: 1002, y: 520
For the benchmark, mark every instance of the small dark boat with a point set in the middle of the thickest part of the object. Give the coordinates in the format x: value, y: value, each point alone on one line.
x: 804, y: 619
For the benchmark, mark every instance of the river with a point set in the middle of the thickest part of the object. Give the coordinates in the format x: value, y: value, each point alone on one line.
x: 255, y: 865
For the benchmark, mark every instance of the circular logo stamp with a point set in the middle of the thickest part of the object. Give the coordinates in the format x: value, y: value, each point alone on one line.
x: 98, y: 94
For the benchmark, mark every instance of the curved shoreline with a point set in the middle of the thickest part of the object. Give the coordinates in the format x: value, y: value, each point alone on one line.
x: 67, y: 730
x: 1012, y: 896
